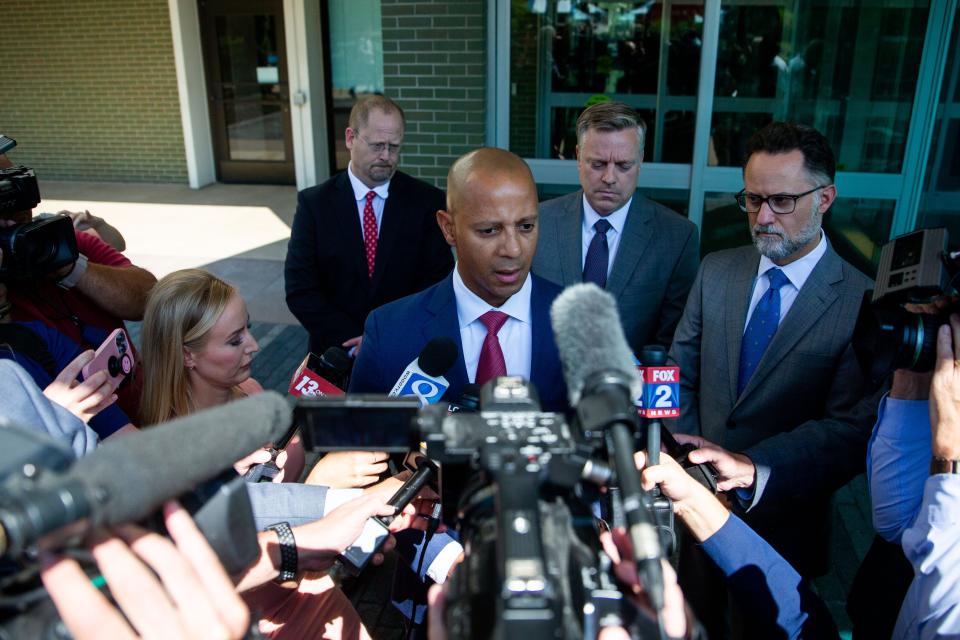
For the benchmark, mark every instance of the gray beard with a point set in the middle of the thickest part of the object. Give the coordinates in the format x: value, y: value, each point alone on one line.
x: 785, y: 246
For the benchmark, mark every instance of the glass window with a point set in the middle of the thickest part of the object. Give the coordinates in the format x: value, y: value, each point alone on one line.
x: 847, y: 69
x: 356, y: 61
x: 565, y: 55
x: 940, y: 203
x: 857, y: 227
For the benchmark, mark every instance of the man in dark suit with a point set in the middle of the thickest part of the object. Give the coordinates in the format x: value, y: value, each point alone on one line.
x: 496, y: 312
x: 366, y: 236
x: 770, y: 388
x: 641, y: 252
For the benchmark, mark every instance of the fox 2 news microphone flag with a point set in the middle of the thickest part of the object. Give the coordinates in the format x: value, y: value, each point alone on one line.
x: 660, y: 397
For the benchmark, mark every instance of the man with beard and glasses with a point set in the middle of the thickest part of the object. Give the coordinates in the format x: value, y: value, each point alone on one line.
x: 366, y: 236
x: 770, y: 389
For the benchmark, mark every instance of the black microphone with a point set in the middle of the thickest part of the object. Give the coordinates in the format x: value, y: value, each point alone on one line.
x: 603, y: 382
x: 423, y: 377
x: 130, y: 476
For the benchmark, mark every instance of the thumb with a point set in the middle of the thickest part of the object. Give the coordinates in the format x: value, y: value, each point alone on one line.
x: 72, y: 370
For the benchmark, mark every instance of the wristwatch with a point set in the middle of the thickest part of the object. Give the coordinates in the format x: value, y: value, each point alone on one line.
x: 288, y: 552
x: 942, y: 465
x: 70, y: 280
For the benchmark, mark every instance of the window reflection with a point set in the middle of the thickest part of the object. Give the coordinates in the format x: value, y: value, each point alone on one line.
x: 566, y: 55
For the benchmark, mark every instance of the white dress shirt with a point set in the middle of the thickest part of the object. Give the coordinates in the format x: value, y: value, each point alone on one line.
x: 616, y: 219
x: 360, y: 192
x: 516, y: 335
x: 797, y: 273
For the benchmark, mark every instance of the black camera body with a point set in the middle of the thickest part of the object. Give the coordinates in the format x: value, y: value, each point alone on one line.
x: 916, y: 268
x: 33, y: 249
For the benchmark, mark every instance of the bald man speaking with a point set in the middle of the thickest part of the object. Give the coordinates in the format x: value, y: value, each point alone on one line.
x: 490, y: 305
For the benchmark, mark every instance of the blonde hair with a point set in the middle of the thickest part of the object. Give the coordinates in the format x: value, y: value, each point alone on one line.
x: 182, y: 308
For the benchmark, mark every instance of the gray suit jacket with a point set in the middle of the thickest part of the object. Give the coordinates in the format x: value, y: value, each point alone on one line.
x: 652, y: 272
x: 804, y: 418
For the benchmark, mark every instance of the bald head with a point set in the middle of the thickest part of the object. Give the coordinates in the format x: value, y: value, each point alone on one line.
x: 491, y: 221
x: 474, y: 173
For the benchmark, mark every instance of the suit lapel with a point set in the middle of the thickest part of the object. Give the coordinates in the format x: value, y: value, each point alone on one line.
x: 736, y: 302
x: 443, y: 321
x: 345, y: 211
x: 540, y: 362
x: 390, y: 226
x: 811, y: 303
x: 637, y: 233
x: 568, y: 233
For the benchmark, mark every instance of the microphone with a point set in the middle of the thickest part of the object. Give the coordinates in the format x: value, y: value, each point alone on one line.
x: 603, y: 383
x: 423, y: 377
x: 469, y: 399
x: 129, y: 477
x: 326, y: 375
x: 661, y: 385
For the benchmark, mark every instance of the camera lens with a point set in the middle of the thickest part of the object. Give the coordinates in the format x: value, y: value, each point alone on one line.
x: 886, y: 339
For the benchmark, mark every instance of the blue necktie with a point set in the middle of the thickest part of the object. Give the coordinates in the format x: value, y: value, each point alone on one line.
x: 761, y: 329
x: 598, y: 256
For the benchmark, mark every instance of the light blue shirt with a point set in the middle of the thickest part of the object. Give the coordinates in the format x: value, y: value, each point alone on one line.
x: 919, y: 511
x: 360, y: 192
x: 616, y: 219
x: 797, y: 273
x: 516, y: 335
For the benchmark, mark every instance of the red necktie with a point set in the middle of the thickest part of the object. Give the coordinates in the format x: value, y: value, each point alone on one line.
x: 491, y: 362
x: 370, y: 232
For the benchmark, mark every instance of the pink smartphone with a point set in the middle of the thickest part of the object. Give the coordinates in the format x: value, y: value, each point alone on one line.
x: 114, y: 357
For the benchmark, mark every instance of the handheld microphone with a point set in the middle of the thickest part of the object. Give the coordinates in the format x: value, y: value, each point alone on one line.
x: 423, y: 377
x: 661, y: 385
x: 603, y: 383
x: 469, y: 399
x: 128, y: 478
x: 326, y: 375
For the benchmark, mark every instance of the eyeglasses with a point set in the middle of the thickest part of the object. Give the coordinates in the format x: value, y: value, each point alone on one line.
x: 780, y: 203
x: 379, y: 147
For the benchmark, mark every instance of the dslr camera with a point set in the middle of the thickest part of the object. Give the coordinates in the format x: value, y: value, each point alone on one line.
x: 915, y: 268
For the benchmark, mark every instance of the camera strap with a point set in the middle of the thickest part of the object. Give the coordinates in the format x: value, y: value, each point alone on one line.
x: 25, y: 341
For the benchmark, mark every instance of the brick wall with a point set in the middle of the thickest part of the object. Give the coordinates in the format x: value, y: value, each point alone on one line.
x: 434, y: 57
x: 90, y: 90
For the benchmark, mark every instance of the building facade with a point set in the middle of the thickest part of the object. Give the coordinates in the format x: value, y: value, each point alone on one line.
x: 196, y: 91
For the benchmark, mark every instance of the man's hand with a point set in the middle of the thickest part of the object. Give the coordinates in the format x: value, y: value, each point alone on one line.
x: 693, y: 504
x: 83, y: 399
x: 86, y: 221
x: 736, y: 470
x: 353, y: 346
x: 193, y: 597
x: 348, y: 469
x: 945, y: 393
x: 320, y: 542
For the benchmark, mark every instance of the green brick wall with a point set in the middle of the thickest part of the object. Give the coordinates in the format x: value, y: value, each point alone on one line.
x: 90, y: 90
x: 434, y: 66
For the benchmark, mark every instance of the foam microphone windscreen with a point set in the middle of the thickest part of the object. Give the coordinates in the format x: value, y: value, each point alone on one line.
x: 438, y: 357
x: 132, y: 475
x: 590, y: 338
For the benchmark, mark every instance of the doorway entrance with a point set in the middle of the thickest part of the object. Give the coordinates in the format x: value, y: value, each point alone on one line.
x: 247, y: 90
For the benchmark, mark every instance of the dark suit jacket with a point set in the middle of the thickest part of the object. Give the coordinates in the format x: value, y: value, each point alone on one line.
x: 396, y: 333
x: 803, y: 418
x: 655, y: 264
x: 328, y: 288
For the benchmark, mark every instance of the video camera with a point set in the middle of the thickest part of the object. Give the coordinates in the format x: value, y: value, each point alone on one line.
x: 914, y: 268
x: 526, y: 483
x: 33, y: 249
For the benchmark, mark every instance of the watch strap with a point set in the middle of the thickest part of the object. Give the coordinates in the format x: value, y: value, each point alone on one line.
x: 70, y: 280
x: 288, y: 552
x: 942, y: 465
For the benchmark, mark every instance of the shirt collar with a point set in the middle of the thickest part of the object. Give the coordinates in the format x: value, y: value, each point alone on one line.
x: 616, y: 219
x: 797, y: 271
x: 361, y: 190
x: 470, y: 306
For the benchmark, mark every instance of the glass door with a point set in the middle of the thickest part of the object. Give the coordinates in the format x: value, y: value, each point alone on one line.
x: 247, y: 89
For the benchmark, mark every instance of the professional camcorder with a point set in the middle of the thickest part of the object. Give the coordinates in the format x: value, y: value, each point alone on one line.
x: 525, y: 481
x: 914, y: 268
x: 32, y: 249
